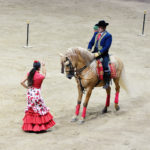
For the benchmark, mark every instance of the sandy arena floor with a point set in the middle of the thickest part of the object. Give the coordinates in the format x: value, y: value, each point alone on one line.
x: 54, y: 27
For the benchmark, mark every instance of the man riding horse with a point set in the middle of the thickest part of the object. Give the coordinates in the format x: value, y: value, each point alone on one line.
x: 80, y: 63
x: 101, y: 41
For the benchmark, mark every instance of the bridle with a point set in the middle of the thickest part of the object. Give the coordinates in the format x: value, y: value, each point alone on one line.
x: 76, y: 72
x: 72, y: 70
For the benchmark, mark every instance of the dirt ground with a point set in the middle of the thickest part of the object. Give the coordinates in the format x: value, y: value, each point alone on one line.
x: 54, y: 27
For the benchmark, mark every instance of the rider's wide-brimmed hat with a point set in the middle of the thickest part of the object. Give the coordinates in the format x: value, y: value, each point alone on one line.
x: 102, y: 23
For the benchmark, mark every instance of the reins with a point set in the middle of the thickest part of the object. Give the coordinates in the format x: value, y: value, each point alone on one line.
x: 77, y: 72
x: 77, y: 75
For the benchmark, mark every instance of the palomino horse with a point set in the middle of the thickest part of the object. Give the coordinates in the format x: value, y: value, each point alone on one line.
x: 80, y: 63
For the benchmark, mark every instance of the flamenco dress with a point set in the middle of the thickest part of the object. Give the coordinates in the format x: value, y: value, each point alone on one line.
x: 37, y: 116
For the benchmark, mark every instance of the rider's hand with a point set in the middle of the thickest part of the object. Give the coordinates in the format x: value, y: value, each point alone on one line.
x: 97, y: 54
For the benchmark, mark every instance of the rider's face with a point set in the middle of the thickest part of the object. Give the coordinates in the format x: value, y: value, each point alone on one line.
x: 101, y: 29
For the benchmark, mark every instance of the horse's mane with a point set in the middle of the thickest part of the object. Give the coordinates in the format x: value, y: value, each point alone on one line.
x: 84, y: 53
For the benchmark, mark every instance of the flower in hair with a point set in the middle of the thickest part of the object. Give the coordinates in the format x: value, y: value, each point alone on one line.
x: 36, y: 61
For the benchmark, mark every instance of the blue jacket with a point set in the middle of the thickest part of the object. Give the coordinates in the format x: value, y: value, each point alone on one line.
x: 105, y: 43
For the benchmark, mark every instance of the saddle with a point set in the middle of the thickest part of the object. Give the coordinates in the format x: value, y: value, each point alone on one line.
x: 100, y: 70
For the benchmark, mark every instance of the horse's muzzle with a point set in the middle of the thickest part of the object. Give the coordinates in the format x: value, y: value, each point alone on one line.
x: 69, y: 76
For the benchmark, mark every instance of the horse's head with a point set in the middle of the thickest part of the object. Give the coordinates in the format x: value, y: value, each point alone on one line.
x: 75, y: 59
x: 67, y: 65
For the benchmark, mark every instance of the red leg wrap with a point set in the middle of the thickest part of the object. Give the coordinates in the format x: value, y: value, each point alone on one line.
x: 84, y: 112
x: 77, y: 109
x: 117, y: 98
x: 107, y: 100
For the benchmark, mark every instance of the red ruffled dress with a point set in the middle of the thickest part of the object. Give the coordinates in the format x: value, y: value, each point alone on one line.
x: 37, y: 116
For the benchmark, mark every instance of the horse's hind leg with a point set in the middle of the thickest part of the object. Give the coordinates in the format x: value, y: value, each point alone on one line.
x: 108, y: 90
x: 116, y: 81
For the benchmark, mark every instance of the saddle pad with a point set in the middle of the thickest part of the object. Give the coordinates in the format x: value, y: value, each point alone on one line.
x: 100, y: 70
x: 113, y: 70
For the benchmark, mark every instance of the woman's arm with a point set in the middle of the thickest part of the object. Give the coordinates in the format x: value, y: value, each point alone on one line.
x: 43, y: 69
x: 23, y: 82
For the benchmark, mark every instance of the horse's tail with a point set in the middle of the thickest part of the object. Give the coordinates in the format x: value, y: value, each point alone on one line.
x: 123, y: 81
x: 122, y: 76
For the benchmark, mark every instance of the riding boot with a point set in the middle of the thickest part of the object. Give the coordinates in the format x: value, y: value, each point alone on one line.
x: 106, y: 80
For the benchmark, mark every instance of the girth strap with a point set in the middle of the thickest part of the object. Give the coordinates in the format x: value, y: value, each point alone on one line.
x: 80, y: 70
x: 82, y: 88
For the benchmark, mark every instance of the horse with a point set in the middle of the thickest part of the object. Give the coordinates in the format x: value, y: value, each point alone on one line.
x: 81, y: 64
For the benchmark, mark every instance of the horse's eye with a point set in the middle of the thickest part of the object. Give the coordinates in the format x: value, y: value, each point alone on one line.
x: 67, y: 65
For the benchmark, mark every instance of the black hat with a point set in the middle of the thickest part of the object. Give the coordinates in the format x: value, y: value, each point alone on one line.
x: 102, y: 23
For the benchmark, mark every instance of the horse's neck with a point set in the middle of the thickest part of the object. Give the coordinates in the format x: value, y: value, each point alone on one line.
x: 81, y: 62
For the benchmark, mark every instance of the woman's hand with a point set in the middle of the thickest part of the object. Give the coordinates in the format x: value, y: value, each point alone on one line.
x: 43, y: 64
x: 43, y: 69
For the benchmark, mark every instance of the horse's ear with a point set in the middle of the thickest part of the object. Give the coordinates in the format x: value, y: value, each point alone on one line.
x: 61, y: 55
x: 62, y: 67
x: 62, y: 62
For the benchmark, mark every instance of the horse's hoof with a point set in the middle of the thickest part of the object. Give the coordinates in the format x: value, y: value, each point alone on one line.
x: 104, y: 110
x: 74, y: 119
x: 81, y: 121
x: 117, y: 107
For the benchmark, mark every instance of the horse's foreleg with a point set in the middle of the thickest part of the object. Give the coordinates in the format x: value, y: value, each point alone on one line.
x: 116, y: 81
x: 88, y: 94
x: 108, y: 90
x: 80, y: 94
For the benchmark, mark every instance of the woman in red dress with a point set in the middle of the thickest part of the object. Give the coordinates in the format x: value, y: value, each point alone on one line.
x: 37, y: 116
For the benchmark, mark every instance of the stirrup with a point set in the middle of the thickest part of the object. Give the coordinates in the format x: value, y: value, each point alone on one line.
x: 106, y: 86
